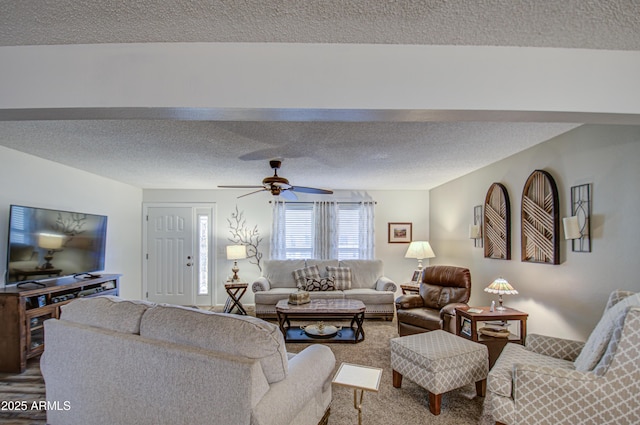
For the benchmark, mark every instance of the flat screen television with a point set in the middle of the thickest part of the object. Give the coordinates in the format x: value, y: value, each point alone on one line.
x: 45, y: 243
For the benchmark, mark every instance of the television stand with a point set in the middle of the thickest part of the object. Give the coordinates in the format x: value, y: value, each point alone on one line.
x: 23, y: 311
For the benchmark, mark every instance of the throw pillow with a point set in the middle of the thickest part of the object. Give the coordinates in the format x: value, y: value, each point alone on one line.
x: 301, y: 276
x: 322, y: 284
x: 341, y: 276
x: 598, y: 341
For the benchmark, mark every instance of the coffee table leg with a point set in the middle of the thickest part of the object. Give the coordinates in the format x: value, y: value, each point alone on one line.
x: 282, y: 319
x: 358, y: 319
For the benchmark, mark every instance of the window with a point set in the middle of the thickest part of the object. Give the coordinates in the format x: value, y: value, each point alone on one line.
x: 203, y: 254
x: 299, y: 231
x: 322, y: 230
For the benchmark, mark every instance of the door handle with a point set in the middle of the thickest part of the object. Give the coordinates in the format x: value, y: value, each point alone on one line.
x: 189, y: 264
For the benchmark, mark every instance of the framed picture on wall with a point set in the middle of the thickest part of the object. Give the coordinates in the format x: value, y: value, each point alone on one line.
x: 400, y: 232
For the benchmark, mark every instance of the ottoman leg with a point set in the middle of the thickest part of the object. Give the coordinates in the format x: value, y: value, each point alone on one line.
x: 397, y: 379
x: 481, y: 388
x: 435, y: 401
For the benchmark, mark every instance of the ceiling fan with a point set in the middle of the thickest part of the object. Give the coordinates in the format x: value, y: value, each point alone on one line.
x: 279, y: 185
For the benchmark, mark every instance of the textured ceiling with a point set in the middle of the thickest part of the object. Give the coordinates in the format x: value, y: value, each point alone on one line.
x: 336, y: 155
x: 603, y: 24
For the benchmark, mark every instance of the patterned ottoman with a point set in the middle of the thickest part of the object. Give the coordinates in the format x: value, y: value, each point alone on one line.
x: 439, y: 361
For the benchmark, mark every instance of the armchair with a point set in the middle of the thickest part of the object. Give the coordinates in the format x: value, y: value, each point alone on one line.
x: 442, y: 289
x: 557, y: 381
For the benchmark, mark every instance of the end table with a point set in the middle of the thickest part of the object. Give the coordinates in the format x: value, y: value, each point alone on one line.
x: 363, y: 378
x: 235, y: 290
x: 410, y: 288
x: 467, y: 327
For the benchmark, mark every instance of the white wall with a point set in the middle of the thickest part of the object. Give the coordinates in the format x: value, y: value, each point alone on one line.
x: 392, y: 206
x: 563, y: 300
x: 32, y: 181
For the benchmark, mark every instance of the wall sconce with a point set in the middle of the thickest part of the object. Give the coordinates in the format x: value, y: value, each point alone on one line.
x: 571, y: 227
x: 578, y: 226
x: 475, y: 229
x: 235, y: 253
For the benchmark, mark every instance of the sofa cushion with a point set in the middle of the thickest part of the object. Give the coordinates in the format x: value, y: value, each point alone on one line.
x: 232, y: 334
x: 278, y: 272
x: 320, y: 284
x: 436, y: 296
x: 322, y: 265
x: 274, y: 295
x: 369, y: 296
x: 302, y: 275
x: 500, y: 380
x: 364, y: 273
x: 107, y: 312
x: 342, y: 276
x: 598, y: 341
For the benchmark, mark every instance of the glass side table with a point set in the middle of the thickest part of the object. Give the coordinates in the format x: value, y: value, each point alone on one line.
x: 363, y: 378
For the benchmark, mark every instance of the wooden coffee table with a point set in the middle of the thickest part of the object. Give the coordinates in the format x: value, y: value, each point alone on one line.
x: 322, y: 309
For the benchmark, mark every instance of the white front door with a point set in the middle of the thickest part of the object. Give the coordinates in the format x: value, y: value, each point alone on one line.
x: 170, y: 265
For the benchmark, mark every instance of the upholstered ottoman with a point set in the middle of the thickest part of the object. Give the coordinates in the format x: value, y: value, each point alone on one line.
x: 439, y: 361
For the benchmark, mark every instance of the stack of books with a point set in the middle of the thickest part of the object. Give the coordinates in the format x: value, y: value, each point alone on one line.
x: 498, y: 329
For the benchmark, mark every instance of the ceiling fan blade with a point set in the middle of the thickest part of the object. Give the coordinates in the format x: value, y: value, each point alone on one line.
x: 251, y: 193
x: 241, y: 187
x: 311, y: 190
x: 288, y: 195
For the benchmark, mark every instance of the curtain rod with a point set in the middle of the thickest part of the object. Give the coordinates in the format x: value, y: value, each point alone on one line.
x: 337, y: 202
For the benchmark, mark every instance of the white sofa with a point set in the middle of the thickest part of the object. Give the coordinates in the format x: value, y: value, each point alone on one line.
x: 368, y: 284
x: 110, y: 361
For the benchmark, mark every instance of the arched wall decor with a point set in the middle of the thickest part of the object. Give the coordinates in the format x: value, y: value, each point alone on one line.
x: 540, y: 240
x: 497, y: 223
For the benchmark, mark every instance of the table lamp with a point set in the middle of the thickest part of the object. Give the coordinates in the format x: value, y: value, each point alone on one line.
x: 419, y: 250
x: 500, y: 286
x: 235, y: 253
x: 51, y: 242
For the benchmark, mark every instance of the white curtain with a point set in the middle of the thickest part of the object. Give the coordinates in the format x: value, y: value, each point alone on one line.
x: 325, y: 244
x: 367, y: 231
x: 324, y: 231
x: 278, y: 240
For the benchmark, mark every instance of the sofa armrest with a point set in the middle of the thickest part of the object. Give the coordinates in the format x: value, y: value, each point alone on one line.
x: 261, y: 284
x: 450, y: 309
x: 310, y: 373
x: 386, y: 284
x: 561, y: 388
x: 554, y: 347
x: 409, y: 301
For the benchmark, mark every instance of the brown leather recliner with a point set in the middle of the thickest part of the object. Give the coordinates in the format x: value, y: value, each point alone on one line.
x: 443, y: 288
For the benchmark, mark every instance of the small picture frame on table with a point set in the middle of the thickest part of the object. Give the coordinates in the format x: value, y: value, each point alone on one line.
x: 400, y: 232
x: 42, y: 300
x: 417, y: 275
x: 465, y: 327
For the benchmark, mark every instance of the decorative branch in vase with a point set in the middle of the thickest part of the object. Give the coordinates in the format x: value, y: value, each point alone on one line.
x: 243, y: 235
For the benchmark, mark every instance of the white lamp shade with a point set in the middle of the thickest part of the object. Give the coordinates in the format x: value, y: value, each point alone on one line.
x: 500, y: 286
x: 236, y: 252
x: 50, y: 241
x: 419, y: 250
x: 474, y: 231
x: 571, y: 227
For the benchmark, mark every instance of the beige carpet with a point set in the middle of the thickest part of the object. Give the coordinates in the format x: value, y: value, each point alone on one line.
x: 406, y: 405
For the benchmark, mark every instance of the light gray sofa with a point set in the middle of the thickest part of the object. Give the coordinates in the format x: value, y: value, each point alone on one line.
x: 111, y: 361
x: 368, y: 284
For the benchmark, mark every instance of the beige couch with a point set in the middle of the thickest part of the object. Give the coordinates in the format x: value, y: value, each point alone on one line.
x: 110, y: 361
x: 368, y: 284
